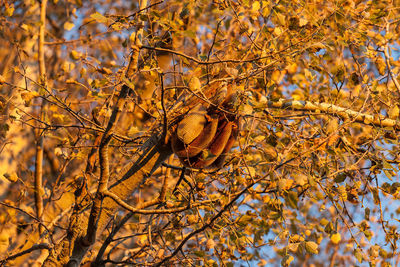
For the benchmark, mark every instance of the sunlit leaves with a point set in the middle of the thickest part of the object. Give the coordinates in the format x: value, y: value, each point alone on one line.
x: 322, y: 183
x: 292, y: 199
x: 380, y: 65
x: 99, y: 18
x: 9, y: 10
x: 358, y: 254
x: 311, y: 247
x: 335, y: 238
x: 287, y: 259
x: 75, y: 55
x: 394, y: 112
x: 68, y: 25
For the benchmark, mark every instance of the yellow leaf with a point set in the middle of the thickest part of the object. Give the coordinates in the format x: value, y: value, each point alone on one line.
x: 13, y: 177
x: 75, y: 54
x: 160, y: 253
x: 58, y: 118
x: 311, y: 247
x: 266, y: 198
x: 389, y: 35
x: 300, y: 179
x: 41, y: 191
x: 278, y: 31
x: 17, y: 70
x: 210, y: 244
x: 191, y: 219
x: 249, y: 157
x: 9, y: 11
x: 293, y: 247
x: 323, y: 222
x: 356, y: 90
x: 332, y: 126
x: 252, y: 171
x: 133, y: 130
x: 292, y: 68
x: 259, y: 138
x: 298, y: 94
x: 82, y: 72
x: 275, y: 76
x: 67, y: 66
x: 308, y: 75
x: 142, y: 239
x: 335, y: 238
x: 25, y: 27
x: 247, y: 109
x: 394, y: 112
x: 317, y: 46
x: 105, y: 70
x: 285, y: 184
x: 28, y: 96
x: 302, y: 22
x: 380, y: 65
x: 287, y: 260
x: 194, y: 84
x: 99, y: 17
x: 266, y: 10
x: 281, y: 18
x: 58, y: 151
x: 2, y: 79
x: 68, y: 25
x: 4, y: 237
x: 367, y: 120
x: 256, y: 6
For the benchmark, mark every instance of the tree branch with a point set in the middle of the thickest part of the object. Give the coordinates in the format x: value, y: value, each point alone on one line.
x: 209, y: 224
x: 126, y: 206
x: 38, y: 183
x: 198, y: 61
x: 344, y: 113
x: 387, y: 61
x: 42, y: 27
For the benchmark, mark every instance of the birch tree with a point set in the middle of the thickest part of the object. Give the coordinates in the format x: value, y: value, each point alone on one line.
x: 199, y: 133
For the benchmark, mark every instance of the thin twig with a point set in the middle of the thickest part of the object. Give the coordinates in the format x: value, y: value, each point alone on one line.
x: 165, y: 124
x: 393, y: 245
x: 387, y: 60
x: 207, y: 225
x: 200, y: 61
x: 26, y: 213
x: 126, y: 206
x: 110, y: 238
x: 26, y: 251
x: 212, y: 46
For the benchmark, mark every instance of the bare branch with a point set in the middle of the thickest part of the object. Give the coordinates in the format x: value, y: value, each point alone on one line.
x: 26, y: 213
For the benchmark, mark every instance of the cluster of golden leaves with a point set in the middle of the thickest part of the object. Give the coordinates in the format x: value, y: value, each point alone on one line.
x: 318, y: 185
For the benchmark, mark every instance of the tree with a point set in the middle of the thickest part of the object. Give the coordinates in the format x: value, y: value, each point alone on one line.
x: 92, y: 98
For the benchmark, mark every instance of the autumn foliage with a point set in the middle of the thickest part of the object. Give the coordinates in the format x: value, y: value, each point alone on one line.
x: 216, y: 133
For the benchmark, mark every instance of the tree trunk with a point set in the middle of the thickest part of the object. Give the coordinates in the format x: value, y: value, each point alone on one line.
x: 155, y: 151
